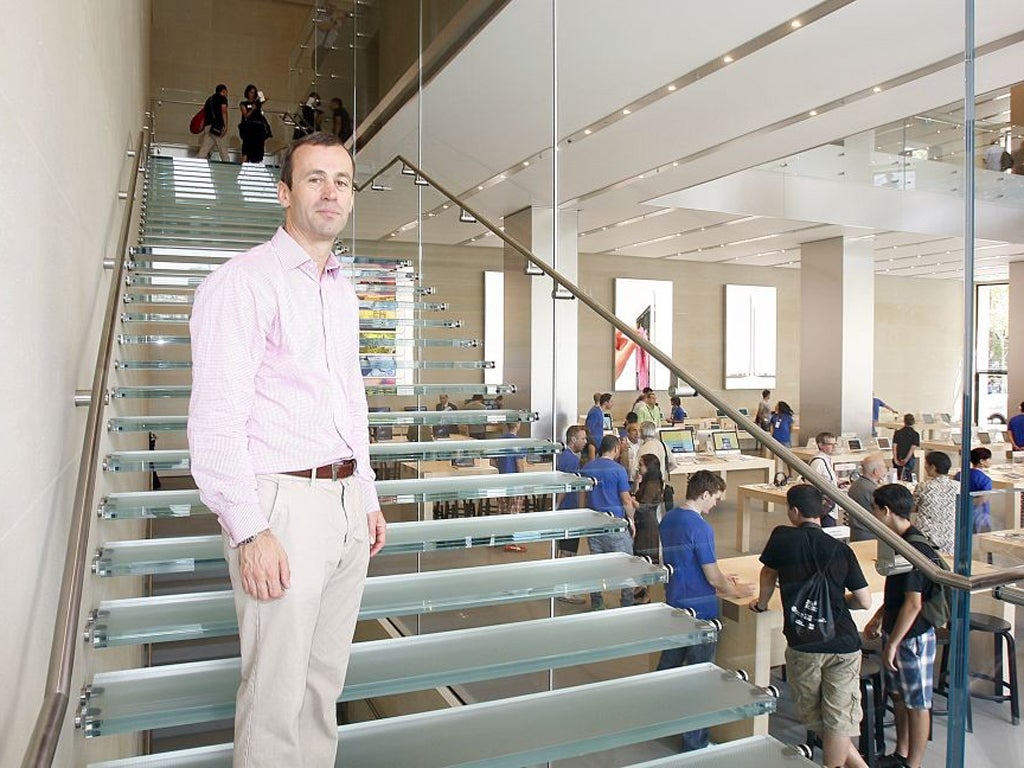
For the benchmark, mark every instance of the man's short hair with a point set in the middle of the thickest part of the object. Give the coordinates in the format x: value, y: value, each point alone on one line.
x: 940, y: 461
x: 980, y: 454
x: 806, y: 499
x: 608, y: 444
x: 872, y: 462
x: 632, y: 418
x: 597, y: 398
x: 605, y: 398
x: 220, y: 87
x: 1022, y: 406
x: 318, y: 139
x: 765, y: 393
x: 648, y: 430
x: 702, y: 481
x: 909, y: 420
x: 572, y: 431
x: 821, y: 437
x: 896, y: 498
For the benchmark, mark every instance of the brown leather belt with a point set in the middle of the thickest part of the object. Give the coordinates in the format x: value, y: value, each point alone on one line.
x: 339, y: 470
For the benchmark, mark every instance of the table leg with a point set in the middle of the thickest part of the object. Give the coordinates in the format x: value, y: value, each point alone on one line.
x: 742, y: 520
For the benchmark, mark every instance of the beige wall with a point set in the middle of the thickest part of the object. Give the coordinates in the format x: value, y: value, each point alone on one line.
x: 73, y: 97
x: 200, y: 43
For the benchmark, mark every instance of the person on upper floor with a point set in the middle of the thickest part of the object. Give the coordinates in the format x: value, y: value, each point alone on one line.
x: 216, y: 129
x: 877, y: 404
x: 904, y: 441
x: 782, y: 423
x: 341, y: 120
x: 253, y: 130
x: 1016, y: 430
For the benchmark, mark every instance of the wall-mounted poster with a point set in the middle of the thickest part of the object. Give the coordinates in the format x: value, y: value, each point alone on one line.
x: 647, y: 306
x: 750, y: 337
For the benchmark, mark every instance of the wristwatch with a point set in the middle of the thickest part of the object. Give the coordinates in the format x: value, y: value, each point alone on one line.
x: 250, y: 540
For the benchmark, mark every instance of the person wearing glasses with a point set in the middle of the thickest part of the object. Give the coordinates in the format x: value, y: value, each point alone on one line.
x: 821, y: 463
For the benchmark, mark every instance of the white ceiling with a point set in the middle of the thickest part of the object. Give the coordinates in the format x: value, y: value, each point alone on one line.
x: 487, y: 122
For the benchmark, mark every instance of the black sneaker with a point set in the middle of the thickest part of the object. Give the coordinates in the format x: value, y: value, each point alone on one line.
x: 895, y: 760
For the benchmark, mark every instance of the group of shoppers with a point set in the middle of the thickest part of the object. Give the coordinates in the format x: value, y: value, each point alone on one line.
x: 254, y: 129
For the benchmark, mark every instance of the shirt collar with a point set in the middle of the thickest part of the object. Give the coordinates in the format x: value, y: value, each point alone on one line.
x: 292, y: 255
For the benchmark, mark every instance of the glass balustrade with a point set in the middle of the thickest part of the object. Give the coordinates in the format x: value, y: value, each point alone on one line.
x: 153, y: 365
x: 138, y: 297
x: 364, y: 323
x: 170, y: 618
x: 188, y: 554
x: 560, y: 724
x: 181, y: 694
x: 151, y: 504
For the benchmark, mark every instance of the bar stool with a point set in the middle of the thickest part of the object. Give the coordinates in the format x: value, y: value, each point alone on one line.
x: 1004, y: 690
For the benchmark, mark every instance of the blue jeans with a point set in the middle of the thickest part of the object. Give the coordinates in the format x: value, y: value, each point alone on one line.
x: 681, y: 657
x: 611, y: 542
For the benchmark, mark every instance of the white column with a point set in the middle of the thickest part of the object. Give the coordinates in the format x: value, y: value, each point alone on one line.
x: 541, y: 332
x: 837, y: 317
x: 1015, y: 330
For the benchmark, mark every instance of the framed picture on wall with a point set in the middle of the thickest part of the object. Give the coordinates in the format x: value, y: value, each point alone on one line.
x: 751, y: 328
x: 647, y: 306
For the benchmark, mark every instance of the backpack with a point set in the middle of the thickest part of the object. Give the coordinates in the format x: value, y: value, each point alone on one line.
x: 811, y: 612
x: 936, y: 609
x: 198, y: 121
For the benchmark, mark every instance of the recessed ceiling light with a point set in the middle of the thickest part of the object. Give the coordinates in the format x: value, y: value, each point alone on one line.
x: 795, y: 23
x: 526, y: 163
x: 671, y: 88
x: 640, y: 176
x: 877, y: 89
x: 675, y: 164
x: 813, y: 113
x: 587, y: 132
x: 727, y: 59
x: 626, y: 112
x: 480, y: 187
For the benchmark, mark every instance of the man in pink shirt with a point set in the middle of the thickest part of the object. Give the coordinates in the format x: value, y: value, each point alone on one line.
x: 280, y: 451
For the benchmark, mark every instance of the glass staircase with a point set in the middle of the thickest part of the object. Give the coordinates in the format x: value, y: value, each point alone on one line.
x: 196, y: 215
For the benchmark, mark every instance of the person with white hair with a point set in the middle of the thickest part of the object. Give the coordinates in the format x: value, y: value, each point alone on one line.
x: 872, y: 472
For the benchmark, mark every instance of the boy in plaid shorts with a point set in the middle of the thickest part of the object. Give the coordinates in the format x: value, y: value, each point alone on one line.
x: 908, y: 651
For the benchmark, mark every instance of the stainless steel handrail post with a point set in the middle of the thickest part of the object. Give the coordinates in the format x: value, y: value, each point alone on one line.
x: 42, y: 744
x: 864, y: 516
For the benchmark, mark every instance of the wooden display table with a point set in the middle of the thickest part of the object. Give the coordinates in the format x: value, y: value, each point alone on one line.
x: 721, y: 465
x: 1001, y: 452
x: 745, y: 494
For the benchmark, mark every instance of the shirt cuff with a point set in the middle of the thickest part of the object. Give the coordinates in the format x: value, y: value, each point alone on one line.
x: 242, y: 522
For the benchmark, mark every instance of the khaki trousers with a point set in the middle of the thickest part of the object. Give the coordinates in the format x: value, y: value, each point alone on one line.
x: 210, y: 141
x: 295, y: 649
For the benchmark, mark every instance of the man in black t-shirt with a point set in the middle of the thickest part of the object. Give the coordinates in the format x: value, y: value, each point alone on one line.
x: 824, y: 676
x: 908, y: 651
x: 215, y: 132
x: 904, y: 441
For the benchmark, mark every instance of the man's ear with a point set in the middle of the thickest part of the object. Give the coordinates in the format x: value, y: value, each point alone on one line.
x: 284, y: 194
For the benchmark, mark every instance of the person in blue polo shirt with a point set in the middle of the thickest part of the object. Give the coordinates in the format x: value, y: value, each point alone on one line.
x: 595, y: 422
x: 695, y: 580
x: 508, y: 464
x: 611, y: 495
x: 1016, y: 428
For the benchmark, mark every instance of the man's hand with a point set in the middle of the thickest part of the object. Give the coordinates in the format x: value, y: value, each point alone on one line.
x: 740, y: 587
x: 873, y: 629
x: 889, y: 656
x: 263, y: 564
x: 378, y: 531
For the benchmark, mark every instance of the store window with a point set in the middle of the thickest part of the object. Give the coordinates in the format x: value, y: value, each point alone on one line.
x: 990, y: 352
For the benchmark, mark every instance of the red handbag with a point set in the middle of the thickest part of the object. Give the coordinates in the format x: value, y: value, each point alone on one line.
x: 198, y: 122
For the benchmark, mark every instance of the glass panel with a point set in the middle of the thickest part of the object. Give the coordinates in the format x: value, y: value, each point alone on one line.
x: 156, y: 340
x: 153, y: 365
x: 144, y: 461
x: 450, y: 417
x: 159, y: 697
x: 184, y: 503
x: 560, y: 724
x: 185, y: 617
x: 368, y: 323
x: 185, y: 554
x: 138, y: 297
x: 752, y: 752
x: 146, y: 424
x: 151, y: 392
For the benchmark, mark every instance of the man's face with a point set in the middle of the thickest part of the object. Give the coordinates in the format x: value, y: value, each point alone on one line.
x: 607, y: 406
x: 633, y: 433
x: 444, y: 400
x: 712, y: 499
x: 828, y: 445
x: 318, y: 204
x: 577, y: 441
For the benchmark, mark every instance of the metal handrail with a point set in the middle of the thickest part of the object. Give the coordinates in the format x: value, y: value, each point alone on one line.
x: 844, y: 502
x: 42, y: 744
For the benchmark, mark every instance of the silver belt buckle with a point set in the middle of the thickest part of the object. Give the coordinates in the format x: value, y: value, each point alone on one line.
x: 334, y: 470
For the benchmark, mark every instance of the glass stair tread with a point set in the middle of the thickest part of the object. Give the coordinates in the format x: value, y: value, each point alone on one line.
x: 169, y: 618
x: 186, y: 554
x: 147, y: 424
x: 399, y: 390
x: 391, y: 360
x: 433, y: 450
x: 751, y: 752
x: 200, y: 271
x: 138, y: 297
x: 153, y: 340
x: 149, y: 504
x: 560, y: 724
x: 216, y: 254
x: 181, y: 694
x: 170, y: 318
x: 153, y: 365
x: 191, y: 281
x: 151, y: 392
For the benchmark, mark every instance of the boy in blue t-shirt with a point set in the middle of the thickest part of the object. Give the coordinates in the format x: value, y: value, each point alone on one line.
x: 688, y: 545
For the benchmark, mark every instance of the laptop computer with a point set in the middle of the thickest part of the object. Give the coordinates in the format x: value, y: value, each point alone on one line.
x: 883, y: 443
x: 725, y: 442
x: 680, y: 442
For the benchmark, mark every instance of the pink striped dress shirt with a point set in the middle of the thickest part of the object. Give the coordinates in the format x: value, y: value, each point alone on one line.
x: 276, y: 383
